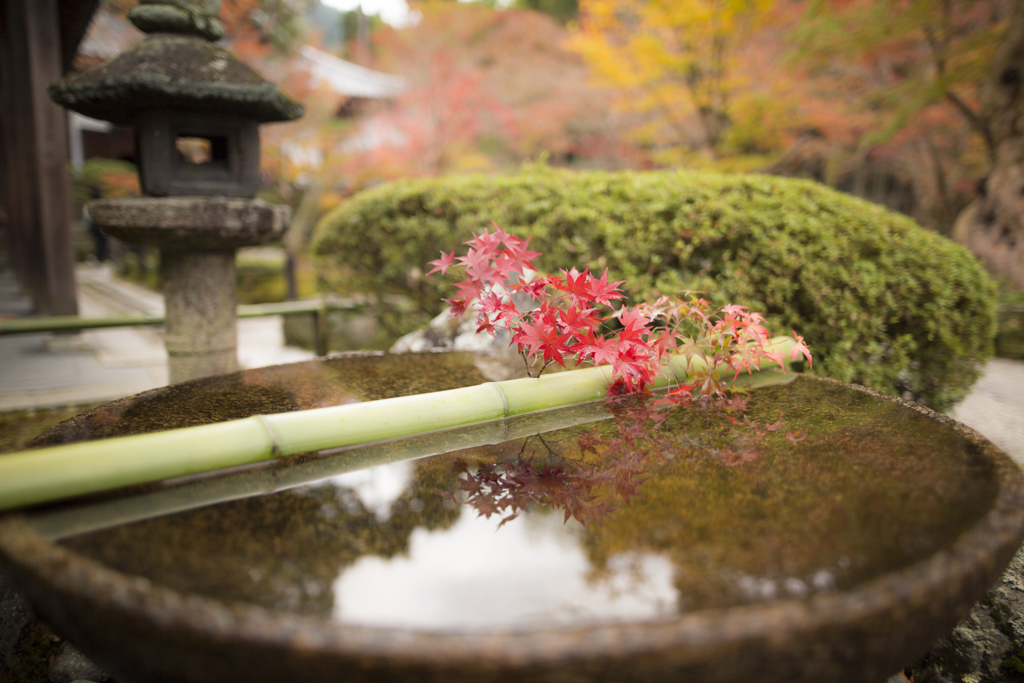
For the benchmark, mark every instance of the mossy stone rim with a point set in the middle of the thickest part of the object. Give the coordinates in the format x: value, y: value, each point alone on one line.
x: 869, y: 630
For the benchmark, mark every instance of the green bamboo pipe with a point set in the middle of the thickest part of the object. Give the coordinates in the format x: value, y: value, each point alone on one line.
x: 277, y: 475
x: 50, y: 474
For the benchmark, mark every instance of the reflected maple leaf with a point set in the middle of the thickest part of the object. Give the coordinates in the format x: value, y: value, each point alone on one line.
x: 621, y: 459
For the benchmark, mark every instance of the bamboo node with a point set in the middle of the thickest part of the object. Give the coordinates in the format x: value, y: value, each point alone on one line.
x: 275, y: 449
x: 501, y: 395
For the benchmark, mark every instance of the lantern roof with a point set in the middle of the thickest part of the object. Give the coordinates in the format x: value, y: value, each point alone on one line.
x: 177, y: 68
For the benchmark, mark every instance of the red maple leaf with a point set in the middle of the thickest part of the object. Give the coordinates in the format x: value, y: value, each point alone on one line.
x: 485, y: 242
x: 484, y: 324
x: 457, y: 307
x: 797, y: 437
x: 529, y: 336
x: 469, y: 290
x: 504, y: 237
x: 535, y: 288
x: 554, y: 346
x: 478, y: 265
x: 602, y: 292
x: 634, y: 327
x: 521, y: 254
x: 801, y: 348
x: 575, y: 284
x: 442, y: 264
x: 596, y: 348
x: 578, y: 321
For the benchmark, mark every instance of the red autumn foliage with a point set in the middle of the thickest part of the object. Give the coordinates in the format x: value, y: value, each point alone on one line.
x: 432, y: 126
x: 551, y: 317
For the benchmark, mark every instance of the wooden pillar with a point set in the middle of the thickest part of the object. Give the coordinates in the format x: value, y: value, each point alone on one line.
x: 12, y: 171
x: 35, y: 193
x: 5, y: 162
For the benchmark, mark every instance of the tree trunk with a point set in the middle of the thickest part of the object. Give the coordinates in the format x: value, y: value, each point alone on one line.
x: 993, y: 227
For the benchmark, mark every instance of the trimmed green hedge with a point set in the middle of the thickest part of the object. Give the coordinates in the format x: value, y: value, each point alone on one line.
x: 881, y: 301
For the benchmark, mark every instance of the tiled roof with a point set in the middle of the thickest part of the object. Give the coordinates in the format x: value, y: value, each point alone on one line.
x: 346, y: 78
x: 107, y: 36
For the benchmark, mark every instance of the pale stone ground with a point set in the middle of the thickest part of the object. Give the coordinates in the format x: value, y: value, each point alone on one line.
x: 995, y: 406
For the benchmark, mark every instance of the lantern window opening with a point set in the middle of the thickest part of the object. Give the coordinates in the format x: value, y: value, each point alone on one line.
x: 198, y: 149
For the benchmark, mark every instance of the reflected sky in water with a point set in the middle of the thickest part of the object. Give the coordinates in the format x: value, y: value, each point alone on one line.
x: 531, y: 572
x: 378, y: 487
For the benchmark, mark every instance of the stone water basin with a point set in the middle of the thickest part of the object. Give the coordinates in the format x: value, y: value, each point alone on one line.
x: 710, y: 551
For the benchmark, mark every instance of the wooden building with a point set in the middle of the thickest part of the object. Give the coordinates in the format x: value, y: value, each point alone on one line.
x: 38, y: 40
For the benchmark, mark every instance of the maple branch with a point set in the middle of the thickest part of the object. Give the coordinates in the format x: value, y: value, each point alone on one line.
x: 940, y: 175
x: 548, y: 448
x: 526, y: 362
x: 938, y: 47
x: 975, y: 120
x: 937, y: 54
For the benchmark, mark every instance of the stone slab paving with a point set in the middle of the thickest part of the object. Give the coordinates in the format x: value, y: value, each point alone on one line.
x: 48, y: 370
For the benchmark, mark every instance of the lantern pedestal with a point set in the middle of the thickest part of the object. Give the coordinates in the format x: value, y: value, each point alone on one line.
x: 197, y: 238
x: 201, y: 334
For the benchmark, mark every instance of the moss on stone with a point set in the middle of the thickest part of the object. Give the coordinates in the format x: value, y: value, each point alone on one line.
x: 19, y: 427
x: 34, y: 645
x: 176, y: 17
x: 1014, y: 662
x: 169, y: 71
x: 32, y: 654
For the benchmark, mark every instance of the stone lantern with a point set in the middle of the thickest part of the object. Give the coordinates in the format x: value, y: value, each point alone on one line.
x: 196, y: 111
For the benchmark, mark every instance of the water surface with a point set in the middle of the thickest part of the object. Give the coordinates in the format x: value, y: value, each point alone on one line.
x: 618, y: 519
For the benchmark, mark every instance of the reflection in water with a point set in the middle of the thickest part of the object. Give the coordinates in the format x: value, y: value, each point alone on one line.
x: 282, y: 551
x: 602, y: 470
x: 532, y: 573
x: 765, y: 588
x: 378, y: 488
